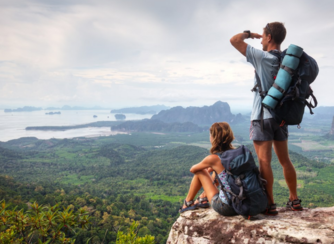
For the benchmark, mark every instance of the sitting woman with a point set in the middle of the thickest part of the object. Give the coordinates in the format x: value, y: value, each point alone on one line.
x: 221, y: 137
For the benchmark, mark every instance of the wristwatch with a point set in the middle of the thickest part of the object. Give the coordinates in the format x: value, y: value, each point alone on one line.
x: 248, y: 32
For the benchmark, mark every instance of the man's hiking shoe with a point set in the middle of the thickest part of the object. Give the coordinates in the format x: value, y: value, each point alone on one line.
x: 270, y: 210
x: 189, y: 206
x: 294, y: 205
x: 201, y: 203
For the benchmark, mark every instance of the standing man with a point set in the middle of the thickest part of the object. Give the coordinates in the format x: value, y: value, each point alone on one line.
x: 270, y: 133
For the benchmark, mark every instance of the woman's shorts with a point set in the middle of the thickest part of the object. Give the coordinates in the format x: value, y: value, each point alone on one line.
x: 220, y: 207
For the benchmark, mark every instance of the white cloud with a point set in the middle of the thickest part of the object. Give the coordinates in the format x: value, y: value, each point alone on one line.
x: 142, y: 52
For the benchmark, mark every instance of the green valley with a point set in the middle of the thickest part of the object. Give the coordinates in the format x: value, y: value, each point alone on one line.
x: 140, y: 177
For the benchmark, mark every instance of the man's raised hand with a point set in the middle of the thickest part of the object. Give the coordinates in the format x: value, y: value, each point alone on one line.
x: 255, y: 35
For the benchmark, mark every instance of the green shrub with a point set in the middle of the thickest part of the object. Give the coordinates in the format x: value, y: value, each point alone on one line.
x: 132, y: 238
x: 40, y: 224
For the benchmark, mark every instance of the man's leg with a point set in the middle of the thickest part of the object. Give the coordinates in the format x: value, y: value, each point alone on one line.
x: 281, y: 150
x: 263, y: 151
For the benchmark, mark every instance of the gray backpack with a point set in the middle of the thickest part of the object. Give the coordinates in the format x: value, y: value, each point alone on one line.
x: 248, y: 195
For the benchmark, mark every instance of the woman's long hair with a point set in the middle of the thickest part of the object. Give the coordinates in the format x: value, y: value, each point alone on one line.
x: 222, y: 137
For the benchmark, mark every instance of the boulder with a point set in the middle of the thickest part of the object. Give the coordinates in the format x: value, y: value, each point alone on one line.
x: 205, y: 226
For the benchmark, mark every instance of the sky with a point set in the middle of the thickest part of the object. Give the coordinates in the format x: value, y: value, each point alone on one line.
x: 129, y: 53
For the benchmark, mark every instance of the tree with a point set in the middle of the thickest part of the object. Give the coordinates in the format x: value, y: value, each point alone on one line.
x: 132, y: 238
x: 41, y: 224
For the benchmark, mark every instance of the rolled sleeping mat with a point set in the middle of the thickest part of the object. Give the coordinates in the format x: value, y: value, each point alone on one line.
x: 283, y: 78
x: 295, y: 50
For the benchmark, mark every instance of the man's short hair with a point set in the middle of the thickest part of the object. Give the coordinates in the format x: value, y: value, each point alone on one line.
x: 276, y: 30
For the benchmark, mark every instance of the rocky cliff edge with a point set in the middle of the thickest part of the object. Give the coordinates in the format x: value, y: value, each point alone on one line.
x: 204, y: 226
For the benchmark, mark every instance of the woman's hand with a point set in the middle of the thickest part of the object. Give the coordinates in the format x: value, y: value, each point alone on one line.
x: 210, y: 169
x: 210, y: 163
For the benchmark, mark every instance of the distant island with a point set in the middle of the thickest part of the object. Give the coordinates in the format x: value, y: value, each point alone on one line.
x: 71, y: 127
x: 141, y: 110
x: 66, y: 107
x: 120, y: 117
x: 24, y: 109
x: 207, y: 115
x: 52, y: 113
x: 176, y: 119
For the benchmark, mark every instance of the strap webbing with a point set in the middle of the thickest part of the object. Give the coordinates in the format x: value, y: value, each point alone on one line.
x: 274, y: 98
x: 235, y: 198
x: 314, y: 100
x: 262, y: 93
x: 262, y: 117
x: 287, y: 69
x: 254, y: 88
x: 290, y: 54
x: 258, y: 85
x: 262, y: 181
x: 278, y: 88
x: 310, y: 105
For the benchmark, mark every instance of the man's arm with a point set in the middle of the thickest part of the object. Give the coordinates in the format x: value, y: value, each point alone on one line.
x: 238, y: 41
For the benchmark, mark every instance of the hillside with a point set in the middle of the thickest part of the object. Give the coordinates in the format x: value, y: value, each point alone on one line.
x: 331, y: 132
x: 142, y: 177
x: 154, y: 125
x: 141, y: 110
x: 323, y: 112
x: 207, y: 115
x: 24, y: 109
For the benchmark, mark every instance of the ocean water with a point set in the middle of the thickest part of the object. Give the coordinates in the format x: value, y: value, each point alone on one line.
x: 12, y: 125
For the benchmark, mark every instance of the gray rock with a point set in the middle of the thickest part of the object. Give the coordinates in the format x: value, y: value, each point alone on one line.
x: 205, y: 226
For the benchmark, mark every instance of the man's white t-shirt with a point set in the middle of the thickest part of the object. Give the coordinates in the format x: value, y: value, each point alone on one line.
x: 266, y: 66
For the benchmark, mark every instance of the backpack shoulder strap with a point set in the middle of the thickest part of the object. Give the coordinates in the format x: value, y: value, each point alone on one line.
x: 277, y: 54
x: 258, y: 86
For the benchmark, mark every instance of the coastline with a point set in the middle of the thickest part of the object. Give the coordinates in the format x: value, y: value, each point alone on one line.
x: 90, y: 132
x: 70, y: 124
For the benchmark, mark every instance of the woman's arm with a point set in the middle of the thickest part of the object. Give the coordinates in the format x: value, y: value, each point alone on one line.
x: 209, y: 161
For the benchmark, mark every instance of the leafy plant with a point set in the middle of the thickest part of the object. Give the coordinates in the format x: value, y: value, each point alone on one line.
x: 132, y: 238
x: 40, y: 224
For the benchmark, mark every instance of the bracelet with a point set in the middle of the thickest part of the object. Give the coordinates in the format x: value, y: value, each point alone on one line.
x: 248, y: 32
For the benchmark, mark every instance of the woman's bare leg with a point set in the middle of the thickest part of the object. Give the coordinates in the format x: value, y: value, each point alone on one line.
x: 201, y: 179
x: 214, y: 182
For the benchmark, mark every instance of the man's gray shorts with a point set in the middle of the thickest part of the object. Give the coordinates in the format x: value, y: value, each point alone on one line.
x: 271, y: 131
